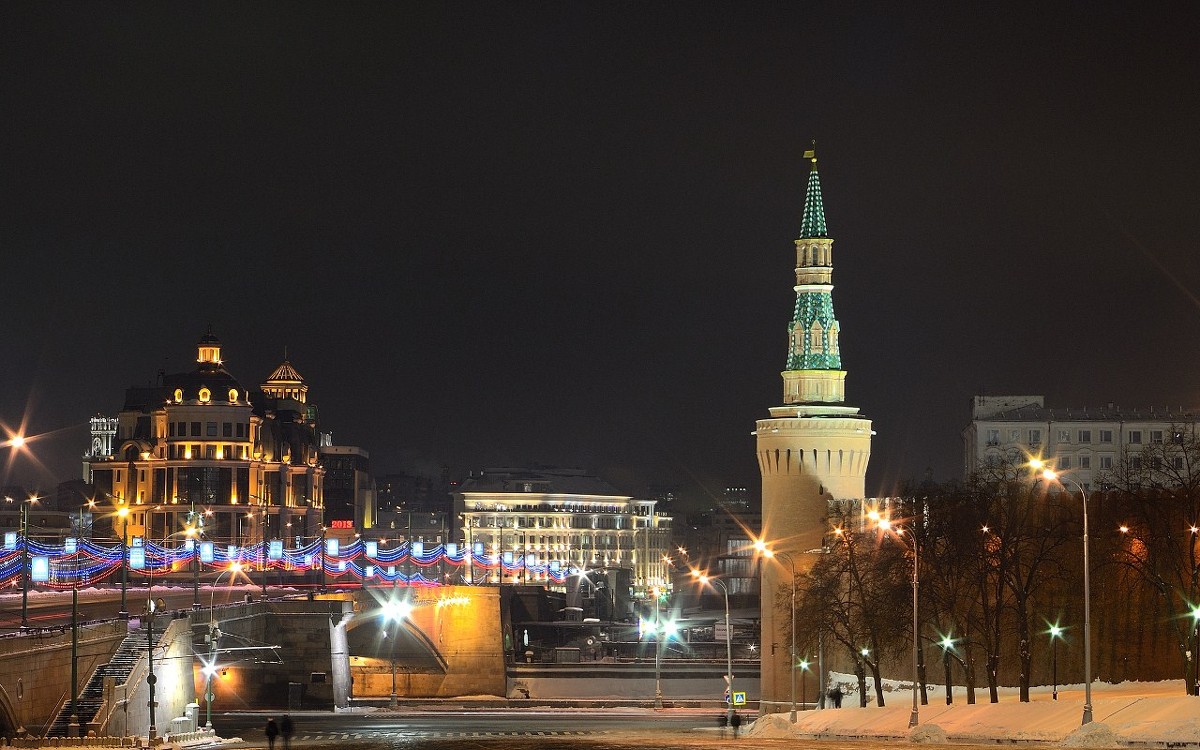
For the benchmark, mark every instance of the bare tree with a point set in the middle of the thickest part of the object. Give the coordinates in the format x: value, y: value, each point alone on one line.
x: 1160, y: 484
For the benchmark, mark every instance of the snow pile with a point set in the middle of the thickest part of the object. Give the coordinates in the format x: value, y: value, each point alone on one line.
x: 771, y: 725
x: 928, y: 734
x: 1092, y: 735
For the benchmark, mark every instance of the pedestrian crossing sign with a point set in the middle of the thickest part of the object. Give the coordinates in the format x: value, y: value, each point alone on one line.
x: 739, y: 698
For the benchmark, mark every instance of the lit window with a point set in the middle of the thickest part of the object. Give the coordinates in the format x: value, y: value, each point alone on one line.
x: 205, y: 395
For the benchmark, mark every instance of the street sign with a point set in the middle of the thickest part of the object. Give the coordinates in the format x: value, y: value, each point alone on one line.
x: 739, y: 698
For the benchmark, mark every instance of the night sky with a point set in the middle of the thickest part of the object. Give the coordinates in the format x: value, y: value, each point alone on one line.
x: 561, y: 233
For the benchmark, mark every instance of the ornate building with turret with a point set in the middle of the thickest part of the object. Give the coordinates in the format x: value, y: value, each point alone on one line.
x: 198, y: 449
x: 813, y: 449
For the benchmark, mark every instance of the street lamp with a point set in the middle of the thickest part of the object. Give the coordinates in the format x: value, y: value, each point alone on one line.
x: 395, y: 611
x: 214, y: 635
x: 803, y: 683
x: 766, y: 551
x: 25, y: 559
x: 1051, y: 475
x: 1055, y: 633
x: 886, y: 524
x: 705, y: 579
x: 947, y: 644
x: 123, y: 513
x: 661, y: 629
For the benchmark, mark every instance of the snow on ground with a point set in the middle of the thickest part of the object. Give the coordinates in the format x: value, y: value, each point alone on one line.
x: 1154, y: 714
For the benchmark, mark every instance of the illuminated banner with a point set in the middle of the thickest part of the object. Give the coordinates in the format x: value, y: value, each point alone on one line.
x: 206, y: 552
x: 137, y: 541
x: 369, y: 571
x: 231, y: 552
x: 452, y: 549
x: 341, y: 524
x: 372, y: 549
x: 418, y: 548
x: 137, y: 558
x: 508, y: 558
x: 275, y: 549
x: 555, y: 565
x: 331, y: 547
x: 39, y: 568
x: 530, y: 560
x: 10, y: 540
x: 479, y: 548
x: 70, y: 545
x: 189, y: 545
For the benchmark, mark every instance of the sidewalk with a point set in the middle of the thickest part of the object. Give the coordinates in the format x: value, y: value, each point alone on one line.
x: 1121, y: 718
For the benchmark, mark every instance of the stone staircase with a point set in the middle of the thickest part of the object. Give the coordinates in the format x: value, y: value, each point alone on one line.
x: 91, y: 698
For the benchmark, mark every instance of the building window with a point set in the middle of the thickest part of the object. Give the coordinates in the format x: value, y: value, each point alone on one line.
x: 993, y: 437
x: 1085, y: 436
x: 210, y: 429
x: 1177, y: 462
x: 1106, y: 436
x: 1035, y: 437
x: 241, y: 430
x: 1064, y: 436
x: 1106, y: 462
x: 1014, y: 436
x: 1177, y: 437
x: 1135, y: 437
x: 170, y: 429
x: 1156, y: 437
x: 195, y: 429
x: 226, y: 429
x: 1085, y: 462
x: 210, y: 451
x: 1064, y: 462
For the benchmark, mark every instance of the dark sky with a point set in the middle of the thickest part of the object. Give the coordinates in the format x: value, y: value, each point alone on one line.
x: 561, y: 233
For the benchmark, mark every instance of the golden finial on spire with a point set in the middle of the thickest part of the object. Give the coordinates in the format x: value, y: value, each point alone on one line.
x: 811, y: 154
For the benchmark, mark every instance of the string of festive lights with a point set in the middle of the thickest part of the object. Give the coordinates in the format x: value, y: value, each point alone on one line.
x: 85, y: 562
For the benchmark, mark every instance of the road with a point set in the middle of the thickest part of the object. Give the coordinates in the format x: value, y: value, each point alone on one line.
x: 610, y: 729
x: 53, y: 609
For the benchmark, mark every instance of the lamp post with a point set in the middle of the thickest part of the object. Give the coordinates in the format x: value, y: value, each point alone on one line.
x: 803, y: 683
x: 658, y: 702
x: 193, y: 534
x: 705, y: 579
x: 1052, y: 476
x: 762, y: 547
x: 1055, y: 633
x: 214, y: 635
x: 74, y: 720
x: 25, y: 561
x: 151, y: 679
x: 395, y: 611
x: 947, y: 644
x: 886, y: 524
x: 123, y: 514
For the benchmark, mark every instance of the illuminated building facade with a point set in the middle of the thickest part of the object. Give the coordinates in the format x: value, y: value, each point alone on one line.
x: 812, y: 450
x: 1086, y: 443
x: 349, y: 490
x: 561, y: 518
x: 246, y: 463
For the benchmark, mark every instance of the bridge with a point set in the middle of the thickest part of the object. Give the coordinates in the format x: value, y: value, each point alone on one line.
x: 313, y: 653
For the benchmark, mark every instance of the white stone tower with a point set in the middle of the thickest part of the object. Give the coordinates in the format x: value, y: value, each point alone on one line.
x: 812, y: 450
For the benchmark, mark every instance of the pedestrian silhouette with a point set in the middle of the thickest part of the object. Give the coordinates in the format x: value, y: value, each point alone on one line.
x: 736, y: 721
x: 835, y: 695
x: 722, y: 722
x: 272, y: 732
x: 286, y: 728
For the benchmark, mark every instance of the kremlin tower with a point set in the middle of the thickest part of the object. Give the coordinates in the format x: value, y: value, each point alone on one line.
x: 812, y: 450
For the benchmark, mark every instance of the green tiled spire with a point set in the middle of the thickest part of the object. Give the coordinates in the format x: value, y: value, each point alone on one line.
x: 813, y: 223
